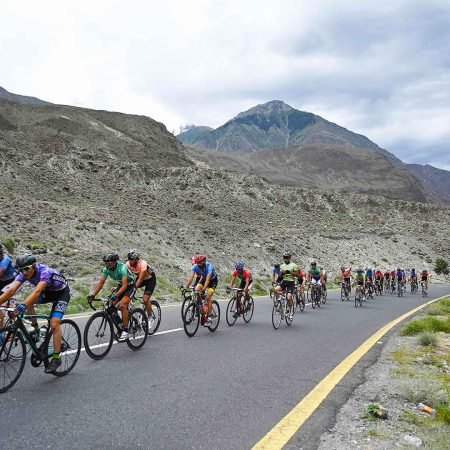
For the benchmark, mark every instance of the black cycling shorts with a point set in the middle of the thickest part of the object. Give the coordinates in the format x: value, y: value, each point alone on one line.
x: 129, y: 292
x: 244, y: 281
x: 60, y: 300
x: 4, y: 283
x: 149, y: 285
x: 289, y: 286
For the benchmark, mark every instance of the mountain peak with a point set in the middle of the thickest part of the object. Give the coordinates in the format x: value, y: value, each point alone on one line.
x: 272, y: 107
x: 4, y: 94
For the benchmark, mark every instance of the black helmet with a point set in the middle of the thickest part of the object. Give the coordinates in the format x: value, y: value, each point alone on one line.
x: 111, y: 257
x: 25, y: 260
x: 286, y: 255
x: 133, y: 254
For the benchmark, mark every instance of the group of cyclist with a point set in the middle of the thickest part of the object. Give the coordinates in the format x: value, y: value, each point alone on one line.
x: 376, y: 280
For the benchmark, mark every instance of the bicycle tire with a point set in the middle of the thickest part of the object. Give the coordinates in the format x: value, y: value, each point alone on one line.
x: 12, y: 350
x: 104, y: 328
x: 313, y: 302
x: 231, y: 310
x: 70, y: 347
x: 137, y: 329
x: 302, y: 303
x: 184, y: 305
x: 191, y: 319
x: 249, y: 307
x: 287, y: 316
x: 215, y: 317
x: 324, y: 296
x: 156, y: 309
x: 356, y: 300
x: 276, y: 314
x: 308, y: 294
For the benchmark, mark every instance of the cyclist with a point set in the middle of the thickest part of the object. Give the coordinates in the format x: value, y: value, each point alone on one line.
x: 379, y: 280
x: 289, y: 271
x: 50, y: 286
x: 121, y: 296
x: 369, y: 278
x: 413, y: 276
x: 346, y: 277
x: 207, y: 281
x: 246, y: 280
x: 146, y: 278
x: 301, y: 280
x: 324, y: 277
x: 400, y: 277
x: 360, y: 281
x: 7, y: 274
x: 314, y: 276
x: 425, y: 276
x: 276, y: 272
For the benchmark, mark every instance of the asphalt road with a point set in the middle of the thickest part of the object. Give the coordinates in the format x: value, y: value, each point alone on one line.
x: 222, y: 390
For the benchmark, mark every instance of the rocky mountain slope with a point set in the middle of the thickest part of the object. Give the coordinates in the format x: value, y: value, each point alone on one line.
x: 5, y: 95
x: 341, y: 169
x: 77, y: 183
x: 437, y: 181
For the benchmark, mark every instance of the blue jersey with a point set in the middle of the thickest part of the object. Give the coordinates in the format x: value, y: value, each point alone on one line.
x: 276, y: 270
x: 399, y: 274
x: 207, y: 270
x: 413, y: 272
x: 6, y: 263
x: 55, y: 281
x: 369, y: 273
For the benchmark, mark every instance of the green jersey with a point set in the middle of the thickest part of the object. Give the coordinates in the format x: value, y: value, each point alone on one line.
x: 291, y: 267
x: 118, y: 273
x: 360, y: 277
x: 315, y: 273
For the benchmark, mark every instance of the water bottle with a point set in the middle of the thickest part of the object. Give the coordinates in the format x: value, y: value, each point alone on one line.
x: 116, y: 317
x: 43, y: 331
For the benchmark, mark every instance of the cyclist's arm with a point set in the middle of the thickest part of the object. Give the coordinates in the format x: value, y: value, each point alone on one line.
x: 38, y: 290
x: 140, y: 278
x: 189, y: 281
x: 99, y: 286
x: 232, y: 281
x: 10, y: 292
x: 2, y: 271
x: 208, y: 279
x: 124, y: 286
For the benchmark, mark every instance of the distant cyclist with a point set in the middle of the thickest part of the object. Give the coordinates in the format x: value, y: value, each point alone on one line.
x: 276, y: 272
x: 425, y: 276
x: 146, y: 278
x: 121, y: 297
x: 346, y: 277
x: 7, y: 274
x: 360, y: 281
x: 244, y: 276
x: 208, y: 281
x: 289, y: 271
x: 50, y: 286
x: 314, y: 274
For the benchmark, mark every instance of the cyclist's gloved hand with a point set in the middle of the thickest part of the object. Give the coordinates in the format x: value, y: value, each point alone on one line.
x: 228, y: 289
x: 287, y: 272
x: 89, y: 298
x: 113, y: 296
x: 20, y: 308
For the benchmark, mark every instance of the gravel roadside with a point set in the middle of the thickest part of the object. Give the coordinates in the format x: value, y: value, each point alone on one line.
x: 406, y: 374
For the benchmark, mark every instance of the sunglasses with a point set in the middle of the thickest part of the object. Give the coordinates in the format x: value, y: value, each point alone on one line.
x: 25, y: 269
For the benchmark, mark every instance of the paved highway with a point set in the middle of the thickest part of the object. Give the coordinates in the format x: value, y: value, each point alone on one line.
x: 222, y: 390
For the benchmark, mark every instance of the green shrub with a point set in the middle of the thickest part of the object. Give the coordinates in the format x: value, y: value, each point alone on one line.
x: 9, y: 245
x: 443, y: 413
x: 428, y: 323
x: 441, y: 266
x: 428, y: 338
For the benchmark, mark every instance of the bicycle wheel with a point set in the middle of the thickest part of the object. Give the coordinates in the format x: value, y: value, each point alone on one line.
x: 215, y: 316
x: 313, y: 298
x: 12, y: 358
x: 324, y: 295
x: 289, y: 316
x: 191, y: 319
x: 249, y: 307
x: 184, y: 305
x: 231, y: 314
x: 308, y: 294
x: 302, y: 301
x: 156, y: 317
x: 70, y: 347
x: 137, y: 329
x: 357, y: 300
x: 276, y: 314
x: 98, y: 335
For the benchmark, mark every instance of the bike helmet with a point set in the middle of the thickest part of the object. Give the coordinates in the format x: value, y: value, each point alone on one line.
x: 133, y: 254
x: 239, y: 265
x: 342, y: 268
x: 360, y: 270
x: 25, y: 260
x: 313, y: 263
x: 110, y: 257
x: 200, y: 259
x: 286, y: 255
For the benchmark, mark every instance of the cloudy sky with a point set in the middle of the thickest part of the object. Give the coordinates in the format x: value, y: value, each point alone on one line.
x: 377, y: 68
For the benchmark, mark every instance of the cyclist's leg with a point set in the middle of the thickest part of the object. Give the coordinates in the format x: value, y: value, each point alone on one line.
x: 59, y: 307
x: 124, y: 301
x: 148, y: 291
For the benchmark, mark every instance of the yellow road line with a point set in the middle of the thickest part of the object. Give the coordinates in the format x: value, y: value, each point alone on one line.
x: 280, y: 434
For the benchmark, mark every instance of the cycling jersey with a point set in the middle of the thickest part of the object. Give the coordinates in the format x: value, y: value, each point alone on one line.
x: 208, y: 269
x: 315, y: 273
x: 360, y: 278
x: 291, y: 267
x: 141, y: 265
x: 55, y: 281
x: 399, y: 275
x: 424, y: 275
x: 244, y: 275
x: 387, y: 275
x: 7, y: 264
x: 369, y: 273
x: 276, y: 270
x: 378, y: 275
x: 302, y: 276
x: 347, y: 273
x: 120, y: 271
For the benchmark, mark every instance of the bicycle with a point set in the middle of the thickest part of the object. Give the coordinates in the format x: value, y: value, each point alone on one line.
x: 400, y: 289
x: 315, y: 292
x: 299, y: 296
x: 370, y: 290
x: 392, y: 287
x: 414, y: 287
x: 105, y: 325
x: 359, y: 296
x: 237, y: 307
x: 424, y: 290
x: 387, y: 286
x: 378, y: 287
x: 281, y: 310
x: 345, y: 291
x: 155, y: 321
x: 196, y: 313
x: 13, y: 353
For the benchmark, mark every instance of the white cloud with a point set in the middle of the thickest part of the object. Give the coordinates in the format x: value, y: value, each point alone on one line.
x: 381, y: 69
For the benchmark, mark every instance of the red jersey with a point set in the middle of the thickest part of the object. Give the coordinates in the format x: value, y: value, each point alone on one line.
x: 244, y: 275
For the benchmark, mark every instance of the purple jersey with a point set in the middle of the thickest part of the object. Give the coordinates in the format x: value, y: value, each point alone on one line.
x: 55, y: 281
